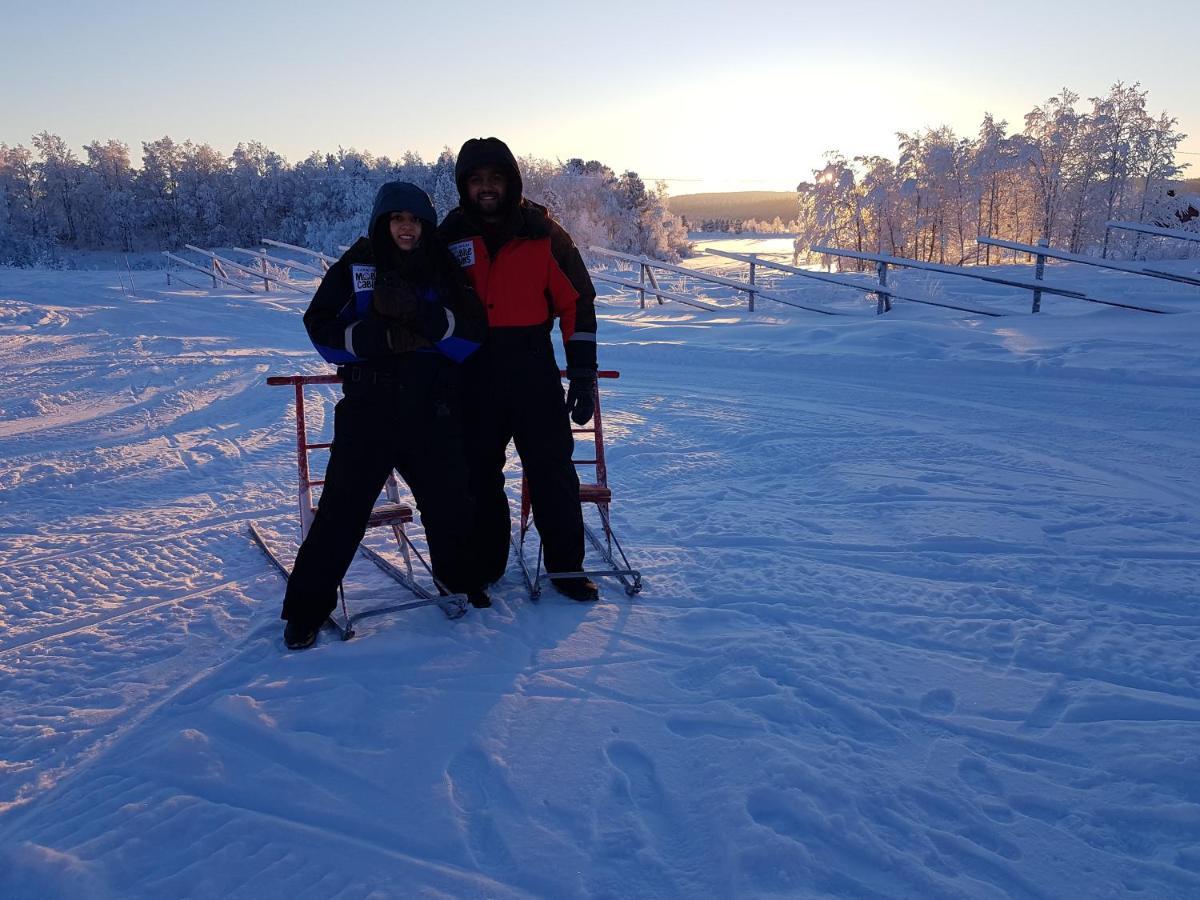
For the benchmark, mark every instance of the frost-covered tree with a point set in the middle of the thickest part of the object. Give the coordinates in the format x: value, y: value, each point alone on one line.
x: 1118, y: 118
x: 992, y: 160
x: 199, y: 191
x: 157, y: 191
x: 1062, y: 178
x: 59, y: 172
x: 24, y: 240
x: 192, y: 193
x: 445, y: 189
x: 1156, y: 143
x: 1052, y: 132
x: 108, y: 215
x: 599, y: 208
x: 257, y: 192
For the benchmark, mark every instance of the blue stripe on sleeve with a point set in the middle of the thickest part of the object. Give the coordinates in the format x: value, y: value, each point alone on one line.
x: 336, y: 355
x: 457, y: 348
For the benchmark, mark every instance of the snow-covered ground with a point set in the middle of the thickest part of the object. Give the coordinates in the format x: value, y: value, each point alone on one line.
x: 920, y: 616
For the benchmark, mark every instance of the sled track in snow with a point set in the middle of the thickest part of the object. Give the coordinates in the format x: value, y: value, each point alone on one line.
x: 219, y: 523
x: 95, y: 750
x: 75, y: 626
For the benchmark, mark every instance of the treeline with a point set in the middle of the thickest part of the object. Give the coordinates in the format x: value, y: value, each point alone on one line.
x: 739, y: 226
x: 51, y: 200
x: 735, y: 205
x: 1068, y: 172
x: 729, y: 226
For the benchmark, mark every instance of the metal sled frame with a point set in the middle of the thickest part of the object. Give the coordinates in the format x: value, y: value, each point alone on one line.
x: 393, y: 514
x: 596, y: 492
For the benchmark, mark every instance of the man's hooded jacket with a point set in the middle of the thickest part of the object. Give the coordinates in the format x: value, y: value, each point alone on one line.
x: 347, y: 321
x: 525, y: 268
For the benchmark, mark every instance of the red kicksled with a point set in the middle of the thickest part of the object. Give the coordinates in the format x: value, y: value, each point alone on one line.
x: 393, y: 513
x: 596, y: 493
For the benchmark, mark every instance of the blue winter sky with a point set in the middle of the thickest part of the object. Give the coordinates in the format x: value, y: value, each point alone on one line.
x: 709, y: 96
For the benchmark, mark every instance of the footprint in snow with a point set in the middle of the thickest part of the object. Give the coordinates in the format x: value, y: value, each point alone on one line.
x: 976, y: 774
x: 768, y: 809
x: 939, y: 702
x: 473, y: 783
x: 640, y: 781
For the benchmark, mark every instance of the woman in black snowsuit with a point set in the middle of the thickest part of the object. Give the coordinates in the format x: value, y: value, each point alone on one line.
x: 397, y: 316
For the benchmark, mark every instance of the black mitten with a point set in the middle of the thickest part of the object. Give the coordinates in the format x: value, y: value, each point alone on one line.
x: 395, y: 298
x: 581, y: 402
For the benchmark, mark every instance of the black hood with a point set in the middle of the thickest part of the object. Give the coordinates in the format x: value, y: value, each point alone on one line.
x: 488, y: 151
x: 394, y: 197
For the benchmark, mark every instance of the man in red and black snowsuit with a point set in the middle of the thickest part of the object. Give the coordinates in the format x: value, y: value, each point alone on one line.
x: 527, y: 272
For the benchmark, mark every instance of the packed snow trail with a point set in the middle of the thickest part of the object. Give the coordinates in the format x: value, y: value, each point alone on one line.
x: 919, y: 621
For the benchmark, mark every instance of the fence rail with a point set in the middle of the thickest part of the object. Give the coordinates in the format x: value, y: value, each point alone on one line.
x: 647, y: 263
x: 1065, y: 256
x: 280, y: 261
x: 658, y: 292
x: 647, y: 266
x: 1038, y: 287
x: 264, y: 275
x: 214, y: 273
x: 881, y: 291
x: 323, y: 257
x: 1153, y: 229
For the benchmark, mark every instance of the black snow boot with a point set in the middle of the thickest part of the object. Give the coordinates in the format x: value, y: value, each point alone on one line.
x: 297, y: 635
x: 582, y: 588
x: 480, y: 599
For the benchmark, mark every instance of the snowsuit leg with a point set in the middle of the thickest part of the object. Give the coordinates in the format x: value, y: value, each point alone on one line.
x: 545, y: 444
x: 488, y: 432
x: 435, y: 470
x: 515, y: 392
x: 359, y: 463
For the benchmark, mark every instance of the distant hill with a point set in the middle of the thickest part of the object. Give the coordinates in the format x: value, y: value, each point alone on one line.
x: 735, y: 205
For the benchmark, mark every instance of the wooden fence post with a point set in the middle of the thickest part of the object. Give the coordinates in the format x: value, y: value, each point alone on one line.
x: 750, y: 294
x: 642, y: 280
x: 1038, y: 270
x: 654, y: 284
x: 266, y: 282
x: 883, y: 300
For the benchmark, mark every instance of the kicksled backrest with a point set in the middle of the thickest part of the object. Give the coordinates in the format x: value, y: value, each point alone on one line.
x: 596, y: 491
x: 394, y: 513
x: 615, y: 563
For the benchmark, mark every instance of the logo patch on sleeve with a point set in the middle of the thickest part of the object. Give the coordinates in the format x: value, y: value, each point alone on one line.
x: 364, y: 278
x: 464, y: 253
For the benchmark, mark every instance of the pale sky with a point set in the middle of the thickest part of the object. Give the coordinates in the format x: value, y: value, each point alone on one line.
x: 709, y: 96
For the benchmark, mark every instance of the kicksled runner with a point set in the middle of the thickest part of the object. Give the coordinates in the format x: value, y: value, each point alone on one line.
x: 395, y: 514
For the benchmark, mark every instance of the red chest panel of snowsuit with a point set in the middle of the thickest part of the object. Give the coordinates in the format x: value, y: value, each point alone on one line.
x: 522, y: 285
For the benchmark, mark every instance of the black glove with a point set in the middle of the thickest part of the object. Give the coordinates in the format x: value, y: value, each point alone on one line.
x: 401, y: 339
x: 394, y: 298
x: 581, y: 402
